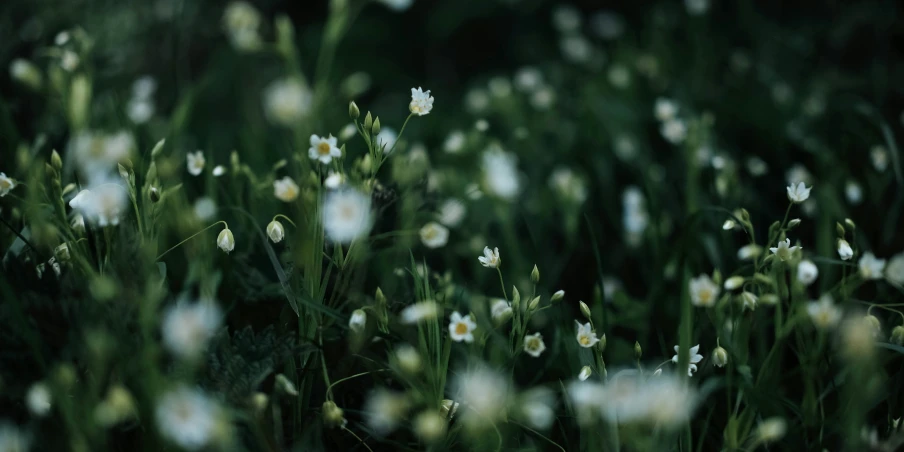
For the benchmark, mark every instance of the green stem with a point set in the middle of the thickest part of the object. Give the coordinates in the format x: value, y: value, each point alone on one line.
x: 189, y: 238
x: 501, y: 282
x: 279, y: 215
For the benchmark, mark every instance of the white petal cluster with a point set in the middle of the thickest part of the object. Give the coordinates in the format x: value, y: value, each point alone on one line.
x: 187, y: 327
x: 695, y: 359
x: 346, y: 215
x: 188, y: 417
x: 421, y: 102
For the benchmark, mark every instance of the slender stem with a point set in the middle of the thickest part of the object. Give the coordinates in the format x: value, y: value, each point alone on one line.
x: 501, y: 282
x: 399, y: 136
x: 326, y: 377
x: 329, y: 390
x: 14, y: 231
x: 189, y: 238
x: 279, y: 215
x: 350, y: 432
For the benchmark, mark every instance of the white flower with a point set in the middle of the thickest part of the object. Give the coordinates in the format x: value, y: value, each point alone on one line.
x: 784, y: 251
x: 225, y: 240
x: 720, y: 357
x: 501, y: 311
x: 420, y: 311
x: 586, y: 337
x: 407, y: 359
x: 241, y: 21
x: 461, y: 328
x: 140, y: 111
x: 334, y: 180
x: 543, y: 98
x: 538, y: 407
x: 748, y: 300
x: 78, y: 224
x: 490, y: 259
x: 771, y: 430
x: 894, y: 271
x: 6, y: 184
x: 695, y: 359
x: 485, y: 392
x: 324, y: 149
x: 195, y: 162
x: 187, y: 417
x: 807, y: 272
x: 430, y: 426
x: 674, y: 130
x: 455, y: 142
x: 568, y: 185
x: 69, y: 61
x: 528, y: 79
x: 665, y: 109
x: 665, y: 401
x: 704, y: 291
x: 187, y: 327
x: 421, y: 102
x: 95, y: 153
x: 879, y: 156
x: 434, y: 235
x: 12, y: 439
x: 26, y: 72
x: 533, y: 345
x: 38, y: 399
x: 500, y: 173
x: 733, y: 282
x: 276, y: 231
x: 287, y: 102
x: 798, y: 193
x: 750, y: 251
x: 853, y: 192
x: 205, y: 208
x: 144, y: 87
x: 585, y: 373
x: 285, y: 189
x: 844, y: 250
x: 585, y: 398
x: 384, y: 410
x: 386, y: 139
x: 357, y: 321
x: 451, y: 212
x: 870, y: 266
x: 218, y: 171
x: 576, y: 48
x: 824, y: 313
x: 346, y: 215
x: 607, y: 25
x: 103, y: 204
x: 756, y: 166
x: 566, y: 18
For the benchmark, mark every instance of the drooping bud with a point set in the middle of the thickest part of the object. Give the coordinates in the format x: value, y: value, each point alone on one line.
x: 585, y: 373
x: 897, y: 335
x: 793, y: 223
x: 285, y: 386
x: 276, y: 231
x: 154, y: 194
x: 225, y: 240
x: 332, y: 414
x: 720, y: 357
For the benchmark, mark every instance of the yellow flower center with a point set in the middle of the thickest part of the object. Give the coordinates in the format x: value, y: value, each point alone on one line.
x: 461, y: 328
x: 5, y: 183
x: 584, y: 340
x: 705, y: 295
x: 323, y: 148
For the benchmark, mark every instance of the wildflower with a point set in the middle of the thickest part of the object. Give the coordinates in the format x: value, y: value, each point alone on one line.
x: 186, y: 328
x: 408, y: 359
x: 694, y: 359
x: 434, y: 235
x: 845, y: 252
x: 384, y: 410
x: 853, y: 192
x: 455, y: 142
x: 756, y: 166
x: 784, y: 251
x: 333, y: 416
x: 285, y: 386
x: 704, y: 291
x: 897, y: 335
x: 461, y: 328
x: 430, y: 426
x: 501, y: 311
x: 568, y: 185
x: 187, y: 417
x: 103, y: 204
x: 585, y: 373
x: 421, y: 102
x: 771, y: 430
x: 748, y: 300
x: 537, y: 408
x: 195, y: 162
x: 576, y: 48
x: 287, y: 102
x: 807, y: 272
x: 357, y: 321
x: 528, y: 79
x: 6, y: 184
x: 557, y: 296
x: 38, y: 399
x: 225, y: 240
x: 241, y: 21
x: 324, y: 149
x: 823, y: 312
x: 485, y: 392
x: 144, y: 87
x: 665, y: 401
x: 750, y: 251
x: 674, y: 131
x: 533, y: 345
x: 285, y: 189
x: 665, y: 109
x: 275, y: 231
x: 720, y: 357
x: 26, y: 73
x: 451, y: 212
x: 501, y: 173
x: 798, y: 193
x: 218, y: 171
x: 586, y: 337
x: 894, y: 271
x: 490, y: 259
x: 78, y: 224
x: 346, y: 215
x: 334, y: 180
x: 417, y: 312
x: 870, y: 266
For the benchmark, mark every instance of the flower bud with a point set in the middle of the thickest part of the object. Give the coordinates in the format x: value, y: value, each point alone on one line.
x: 839, y: 229
x: 638, y: 351
x: 793, y: 223
x: 408, y: 359
x: 850, y: 223
x: 353, y: 111
x: 720, y: 357
x: 770, y: 430
x: 259, y: 402
x: 375, y: 129
x: 585, y: 309
x: 285, y: 386
x: 558, y: 296
x: 51, y: 173
x: 430, y: 426
x: 516, y: 298
x: 601, y: 345
x: 69, y: 188
x: 897, y: 335
x: 275, y: 231
x: 158, y: 148
x: 381, y: 299
x: 368, y: 121
x: 769, y: 299
x: 358, y: 321
x: 533, y: 304
x: 332, y: 414
x: 535, y: 275
x: 728, y: 225
x: 734, y: 282
x: 55, y: 160
x: 585, y: 372
x: 154, y: 194
x: 226, y: 241
x: 872, y: 322
x: 845, y: 252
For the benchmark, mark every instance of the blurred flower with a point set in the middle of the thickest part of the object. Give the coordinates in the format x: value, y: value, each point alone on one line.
x: 533, y: 345
x: 103, y: 204
x: 879, y: 156
x: 451, y: 212
x: 384, y: 410
x: 195, y: 162
x: 568, y: 185
x: 784, y: 251
x: 501, y: 311
x: 756, y: 167
x: 635, y: 218
x: 144, y: 87
x: 387, y: 139
x: 187, y: 327
x: 140, y: 111
x: 665, y: 109
x: 218, y: 171
x: 576, y: 48
x: 241, y: 21
x: 287, y: 102
x: 664, y: 401
x: 455, y: 142
x: 357, y: 321
x: 771, y: 430
x: 748, y: 300
x: 116, y: 407
x: 285, y: 189
x: 346, y: 215
x: 461, y: 328
x: 695, y: 359
x: 476, y: 101
x: 500, y: 87
x: 420, y: 311
x: 619, y: 76
x: 275, y: 231
x: 324, y: 149
x: 205, y: 208
x: 845, y: 252
x: 586, y: 337
x: 528, y: 79
x: 607, y: 25
x: 434, y: 235
x: 26, y: 73
x: 894, y: 271
x: 823, y: 312
x: 96, y: 153
x: 798, y: 193
x: 585, y: 373
x: 490, y: 259
x: 12, y: 439
x: 38, y: 399
x: 674, y: 131
x: 408, y: 359
x: 421, y: 102
x: 537, y: 408
x: 397, y: 5
x: 6, y: 184
x: 187, y: 417
x: 749, y: 251
x: 624, y: 147
x: 334, y: 180
x: 704, y: 291
x: 807, y: 272
x: 870, y: 266
x: 566, y: 18
x: 696, y: 7
x: 484, y: 392
x: 543, y: 98
x: 430, y: 426
x: 720, y: 357
x: 853, y: 192
x: 333, y: 416
x: 69, y: 60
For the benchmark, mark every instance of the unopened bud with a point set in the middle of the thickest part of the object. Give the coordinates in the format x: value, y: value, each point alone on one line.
x: 516, y: 298
x: 55, y: 160
x: 535, y: 275
x: 532, y: 305
x: 285, y: 386
x: 734, y: 282
x: 51, y: 172
x: 793, y: 223
x: 872, y: 322
x: 850, y: 223
x: 897, y: 335
x: 154, y: 194
x: 332, y: 414
x: 375, y: 129
x: 839, y: 229
x: 158, y: 148
x: 69, y: 188
x: 638, y: 351
x: 585, y: 309
x: 601, y: 345
x: 259, y: 401
x: 353, y: 111
x: 720, y: 357
x: 585, y: 373
x: 368, y: 121
x: 381, y: 299
x: 558, y: 296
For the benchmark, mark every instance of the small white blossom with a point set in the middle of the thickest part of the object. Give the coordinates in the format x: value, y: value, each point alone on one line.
x: 187, y: 417
x: 421, y: 102
x: 845, y: 252
x: 665, y: 109
x: 784, y: 251
x: 334, y: 180
x: 704, y: 291
x: 798, y: 193
x: 748, y: 300
x: 225, y: 240
x: 585, y: 336
x: 585, y: 373
x: 879, y: 156
x: 664, y: 401
x: 324, y: 149
x: 720, y: 357
x: 534, y: 345
x: 139, y: 111
x: 6, y: 184
x: 461, y: 328
x: 285, y: 189
x: 501, y: 311
x: 500, y: 171
x: 807, y: 272
x: 241, y: 22
x: 346, y: 215
x: 749, y: 251
x: 187, y: 327
x: 420, y: 311
x: 287, y: 102
x: 434, y: 235
x: 218, y: 171
x: 451, y: 212
x: 695, y: 359
x: 103, y: 204
x: 195, y: 162
x: 490, y: 258
x: 870, y: 266
x: 455, y: 142
x: 853, y: 192
x: 528, y: 79
x: 537, y: 407
x: 485, y: 392
x: 38, y: 399
x: 385, y: 410
x: 674, y: 130
x: 771, y: 430
x: 568, y: 185
x: 824, y: 313
x: 205, y: 208
x: 275, y: 231
x: 357, y: 321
